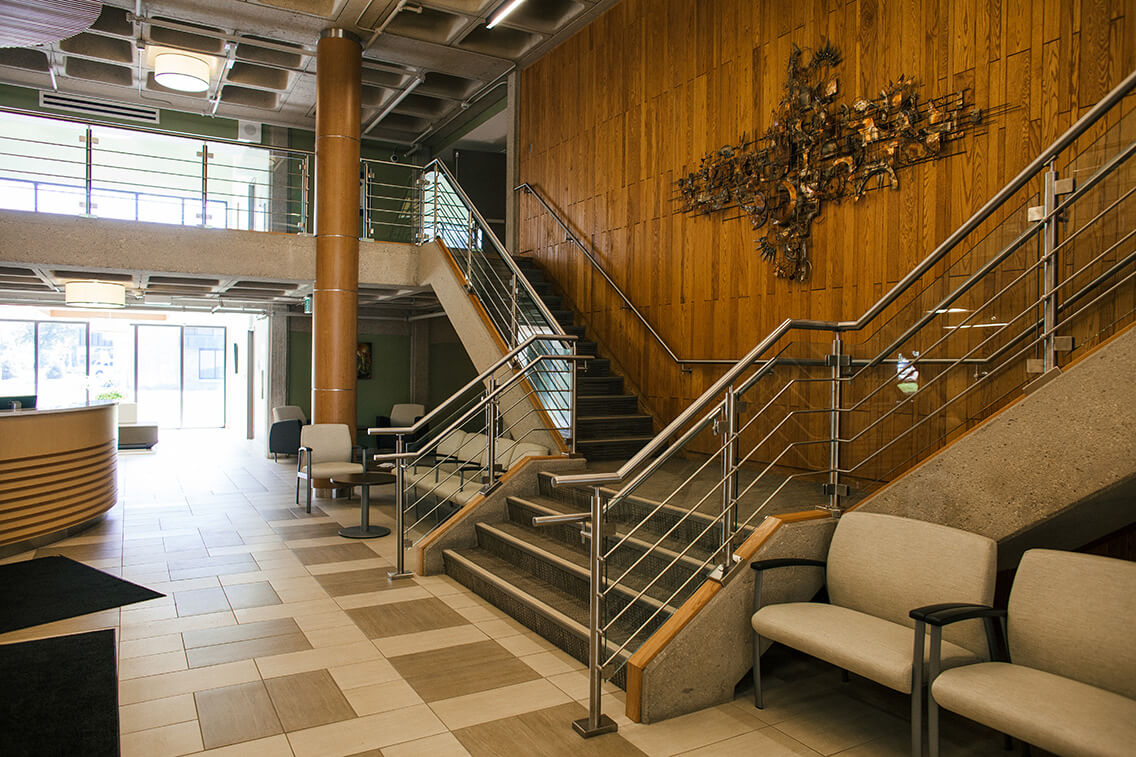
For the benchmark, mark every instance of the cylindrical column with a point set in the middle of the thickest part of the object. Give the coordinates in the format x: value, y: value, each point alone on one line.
x: 335, y: 298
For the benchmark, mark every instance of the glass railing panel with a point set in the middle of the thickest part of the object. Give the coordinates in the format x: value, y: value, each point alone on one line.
x: 392, y: 201
x: 42, y: 165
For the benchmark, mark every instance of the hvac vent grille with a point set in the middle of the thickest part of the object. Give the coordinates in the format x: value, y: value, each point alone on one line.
x: 91, y: 106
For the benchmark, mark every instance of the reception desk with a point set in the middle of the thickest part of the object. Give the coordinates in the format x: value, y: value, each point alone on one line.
x: 57, y: 472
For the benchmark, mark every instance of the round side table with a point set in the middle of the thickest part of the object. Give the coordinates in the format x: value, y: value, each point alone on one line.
x: 364, y: 481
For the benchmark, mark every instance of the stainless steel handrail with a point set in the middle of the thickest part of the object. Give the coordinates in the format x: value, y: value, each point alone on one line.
x: 981, y: 215
x: 513, y: 268
x: 599, y: 269
x: 479, y: 379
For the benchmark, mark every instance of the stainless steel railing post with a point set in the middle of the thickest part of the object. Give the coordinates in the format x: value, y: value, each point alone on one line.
x: 834, y: 487
x: 204, y: 183
x: 729, y: 478
x: 596, y: 723
x: 399, y: 504
x: 1049, y: 267
x: 491, y: 431
x: 512, y: 342
x: 305, y: 210
x: 573, y: 412
x: 90, y: 169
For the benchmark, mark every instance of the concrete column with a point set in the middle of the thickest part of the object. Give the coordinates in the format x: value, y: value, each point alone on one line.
x: 335, y: 298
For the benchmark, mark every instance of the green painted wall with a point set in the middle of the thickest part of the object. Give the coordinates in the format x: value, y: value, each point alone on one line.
x: 450, y: 370
x: 389, y: 383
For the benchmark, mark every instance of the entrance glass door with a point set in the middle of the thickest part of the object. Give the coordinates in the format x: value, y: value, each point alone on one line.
x: 158, y: 363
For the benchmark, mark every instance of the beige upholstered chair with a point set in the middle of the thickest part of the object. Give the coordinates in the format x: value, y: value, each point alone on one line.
x: 288, y: 413
x: 1068, y: 684
x: 325, y: 451
x: 880, y: 568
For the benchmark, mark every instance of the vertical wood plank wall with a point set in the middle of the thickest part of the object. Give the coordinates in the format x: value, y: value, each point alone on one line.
x: 613, y: 117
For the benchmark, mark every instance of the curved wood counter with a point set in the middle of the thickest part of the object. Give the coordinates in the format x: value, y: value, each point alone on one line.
x: 57, y: 470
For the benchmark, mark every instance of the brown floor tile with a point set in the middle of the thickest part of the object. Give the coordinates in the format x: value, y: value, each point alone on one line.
x: 398, y: 618
x: 205, y: 637
x: 258, y: 594
x: 334, y: 553
x: 84, y: 552
x: 465, y: 669
x: 215, y: 654
x: 307, y: 531
x: 232, y: 714
x: 200, y: 601
x: 357, y: 582
x: 544, y: 732
x: 305, y: 700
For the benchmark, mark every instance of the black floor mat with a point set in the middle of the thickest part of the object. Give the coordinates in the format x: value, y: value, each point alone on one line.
x: 53, y: 588
x: 60, y: 696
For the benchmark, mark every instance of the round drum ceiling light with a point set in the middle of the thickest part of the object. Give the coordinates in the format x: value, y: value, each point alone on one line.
x: 94, y: 294
x: 182, y: 71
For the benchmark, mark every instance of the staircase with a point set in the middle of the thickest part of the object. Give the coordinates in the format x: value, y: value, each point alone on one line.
x: 540, y: 575
x: 609, y: 425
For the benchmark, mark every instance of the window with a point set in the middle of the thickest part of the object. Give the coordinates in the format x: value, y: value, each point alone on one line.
x: 210, y: 363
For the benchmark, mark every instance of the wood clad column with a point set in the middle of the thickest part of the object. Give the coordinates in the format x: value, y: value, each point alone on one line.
x: 335, y: 299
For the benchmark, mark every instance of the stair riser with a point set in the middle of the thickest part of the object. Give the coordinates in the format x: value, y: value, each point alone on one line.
x: 603, y: 428
x: 598, y: 367
x: 591, y: 387
x: 600, y: 450
x: 607, y: 405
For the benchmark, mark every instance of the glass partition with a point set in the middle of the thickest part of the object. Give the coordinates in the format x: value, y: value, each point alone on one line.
x: 61, y: 365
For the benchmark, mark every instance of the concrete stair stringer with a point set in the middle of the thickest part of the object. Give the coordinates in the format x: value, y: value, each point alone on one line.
x: 698, y: 656
x: 479, y: 340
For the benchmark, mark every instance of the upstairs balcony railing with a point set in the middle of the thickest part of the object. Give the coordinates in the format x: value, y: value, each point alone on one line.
x: 54, y: 164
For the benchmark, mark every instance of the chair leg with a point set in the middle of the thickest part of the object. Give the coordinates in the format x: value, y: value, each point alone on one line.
x: 917, y: 691
x: 309, y: 509
x: 932, y: 707
x: 757, y: 698
x: 297, y: 490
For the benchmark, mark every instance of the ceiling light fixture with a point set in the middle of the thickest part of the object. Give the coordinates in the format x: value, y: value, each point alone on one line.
x: 182, y: 71
x: 505, y: 11
x: 94, y: 294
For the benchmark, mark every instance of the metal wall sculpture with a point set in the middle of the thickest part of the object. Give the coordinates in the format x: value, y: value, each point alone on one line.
x: 817, y: 150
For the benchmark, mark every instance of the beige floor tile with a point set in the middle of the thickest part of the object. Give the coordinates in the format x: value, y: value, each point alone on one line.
x: 176, y: 625
x: 153, y: 664
x: 286, y: 610
x: 410, y: 643
x: 144, y: 612
x: 551, y: 663
x: 382, y: 697
x: 402, y: 593
x: 498, y: 629
x: 92, y: 622
x: 166, y: 741
x: 156, y: 713
x: 575, y: 684
x: 463, y: 599
x: 479, y: 613
x: 307, y: 700
x: 838, y: 722
x: 340, y: 567
x: 153, y: 645
x: 364, y: 673
x: 526, y: 644
x: 273, y: 746
x: 768, y: 742
x: 471, y: 709
x: 323, y: 620
x: 440, y: 586
x: 687, y: 732
x: 189, y: 584
x: 371, y: 732
x: 442, y: 745
x: 232, y: 714
x: 336, y: 636
x: 185, y: 681
x: 314, y: 659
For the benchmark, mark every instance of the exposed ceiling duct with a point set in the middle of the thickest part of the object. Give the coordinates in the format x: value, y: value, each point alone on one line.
x: 38, y: 22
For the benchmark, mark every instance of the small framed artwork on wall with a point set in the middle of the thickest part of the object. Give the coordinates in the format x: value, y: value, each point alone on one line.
x: 363, y: 360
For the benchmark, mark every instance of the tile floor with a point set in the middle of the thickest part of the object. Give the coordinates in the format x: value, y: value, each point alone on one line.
x: 278, y: 637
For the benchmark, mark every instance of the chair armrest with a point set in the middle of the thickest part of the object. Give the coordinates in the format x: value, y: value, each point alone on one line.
x: 383, y: 420
x: 938, y: 615
x: 786, y: 562
x: 952, y: 612
x: 304, y: 454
